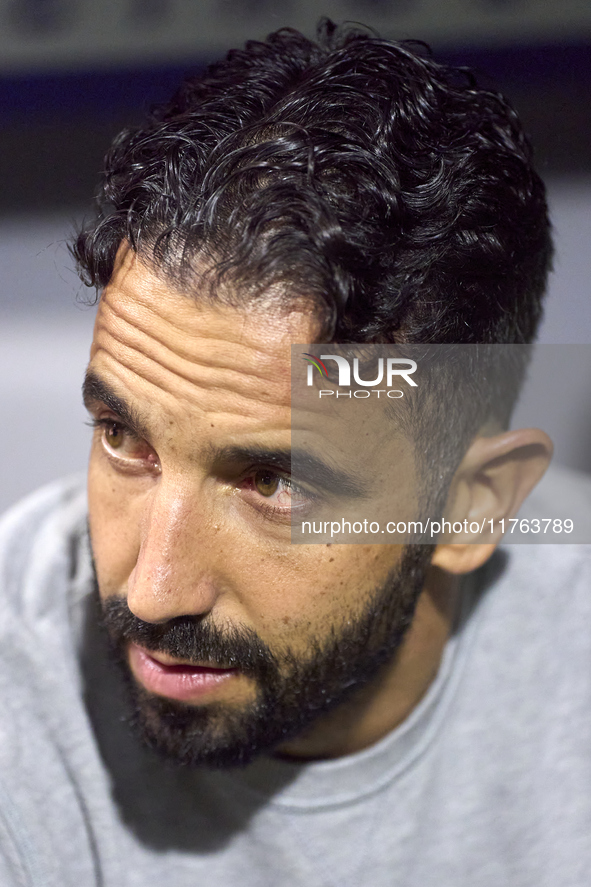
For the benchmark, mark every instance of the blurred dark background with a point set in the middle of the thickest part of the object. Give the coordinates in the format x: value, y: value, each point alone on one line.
x: 74, y: 72
x: 71, y: 78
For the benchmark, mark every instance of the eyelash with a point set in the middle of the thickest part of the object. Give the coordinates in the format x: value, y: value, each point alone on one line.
x: 276, y: 511
x: 110, y: 423
x: 113, y: 423
x: 129, y: 464
x: 264, y: 508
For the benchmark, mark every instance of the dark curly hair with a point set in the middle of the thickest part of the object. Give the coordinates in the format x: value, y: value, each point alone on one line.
x: 358, y: 173
x: 353, y: 170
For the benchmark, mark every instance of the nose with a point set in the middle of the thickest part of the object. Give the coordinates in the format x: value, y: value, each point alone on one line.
x: 173, y: 574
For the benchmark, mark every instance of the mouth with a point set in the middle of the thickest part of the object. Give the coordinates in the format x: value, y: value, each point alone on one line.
x: 162, y: 675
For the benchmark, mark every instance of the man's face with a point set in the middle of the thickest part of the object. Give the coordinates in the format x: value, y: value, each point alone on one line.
x: 234, y: 639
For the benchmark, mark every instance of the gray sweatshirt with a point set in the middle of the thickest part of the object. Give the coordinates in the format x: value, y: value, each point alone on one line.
x: 487, y: 783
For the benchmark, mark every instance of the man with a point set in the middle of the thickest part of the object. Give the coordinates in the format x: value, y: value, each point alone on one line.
x: 301, y: 714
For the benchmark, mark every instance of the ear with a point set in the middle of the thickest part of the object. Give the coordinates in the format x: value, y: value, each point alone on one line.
x: 494, y: 478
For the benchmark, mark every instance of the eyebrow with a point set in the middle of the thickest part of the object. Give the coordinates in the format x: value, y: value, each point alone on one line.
x: 96, y: 390
x: 300, y: 464
x: 309, y: 468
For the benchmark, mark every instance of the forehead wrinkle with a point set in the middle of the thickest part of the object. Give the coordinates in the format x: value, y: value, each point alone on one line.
x: 154, y: 424
x: 98, y: 390
x: 132, y: 319
x: 163, y: 378
x: 195, y: 372
x: 250, y: 410
x: 146, y: 423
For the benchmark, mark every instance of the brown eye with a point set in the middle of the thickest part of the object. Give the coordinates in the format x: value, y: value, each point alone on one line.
x: 114, y: 436
x: 266, y: 482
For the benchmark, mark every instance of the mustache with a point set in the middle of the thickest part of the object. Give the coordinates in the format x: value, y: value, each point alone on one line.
x: 190, y: 638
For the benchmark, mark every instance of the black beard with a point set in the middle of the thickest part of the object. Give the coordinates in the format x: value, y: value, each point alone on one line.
x: 292, y: 692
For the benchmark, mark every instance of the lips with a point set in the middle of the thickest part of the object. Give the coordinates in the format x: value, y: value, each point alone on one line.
x: 163, y: 676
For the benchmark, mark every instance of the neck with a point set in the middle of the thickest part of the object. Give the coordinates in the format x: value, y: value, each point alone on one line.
x: 382, y: 705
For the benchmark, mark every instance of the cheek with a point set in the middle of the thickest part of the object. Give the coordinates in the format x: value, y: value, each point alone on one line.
x: 114, y: 517
x: 286, y: 593
x: 312, y: 589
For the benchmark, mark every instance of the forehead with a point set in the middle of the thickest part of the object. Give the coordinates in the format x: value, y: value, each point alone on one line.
x: 175, y: 349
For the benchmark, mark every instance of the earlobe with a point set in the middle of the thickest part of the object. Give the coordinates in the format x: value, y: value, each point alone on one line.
x: 493, y: 480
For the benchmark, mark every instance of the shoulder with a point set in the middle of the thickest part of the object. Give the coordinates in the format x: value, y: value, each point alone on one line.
x: 40, y: 538
x: 60, y: 499
x: 44, y: 580
x: 45, y: 742
x: 533, y: 602
x: 543, y: 574
x: 551, y: 563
